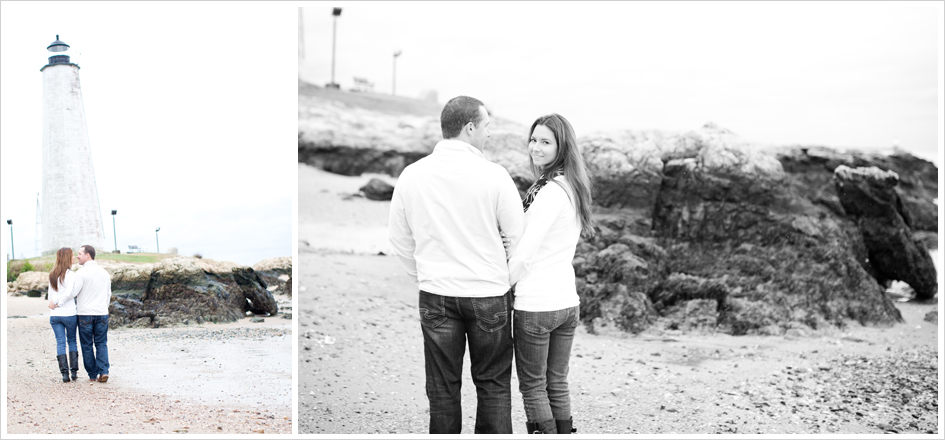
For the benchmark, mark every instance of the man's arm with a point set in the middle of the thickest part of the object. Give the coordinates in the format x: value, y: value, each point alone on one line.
x: 509, y: 213
x: 401, y: 236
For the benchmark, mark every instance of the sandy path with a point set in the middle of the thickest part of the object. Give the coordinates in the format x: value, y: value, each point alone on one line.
x: 361, y: 356
x: 215, y: 378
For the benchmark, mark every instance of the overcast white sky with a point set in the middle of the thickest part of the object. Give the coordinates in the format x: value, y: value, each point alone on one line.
x: 843, y: 74
x: 192, y: 121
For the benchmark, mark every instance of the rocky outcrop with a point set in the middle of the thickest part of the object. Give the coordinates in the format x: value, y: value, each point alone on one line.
x: 702, y: 229
x: 277, y: 273
x: 32, y: 280
x: 868, y: 195
x: 377, y: 189
x: 810, y: 170
x: 185, y: 290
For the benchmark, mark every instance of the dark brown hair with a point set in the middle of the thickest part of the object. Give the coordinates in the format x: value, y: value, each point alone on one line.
x: 570, y: 160
x: 63, y: 263
x: 89, y: 250
x: 458, y: 112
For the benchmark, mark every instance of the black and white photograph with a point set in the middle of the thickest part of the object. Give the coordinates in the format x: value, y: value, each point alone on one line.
x: 630, y: 218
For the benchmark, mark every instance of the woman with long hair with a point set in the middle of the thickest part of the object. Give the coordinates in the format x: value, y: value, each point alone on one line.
x: 557, y: 211
x: 63, y: 319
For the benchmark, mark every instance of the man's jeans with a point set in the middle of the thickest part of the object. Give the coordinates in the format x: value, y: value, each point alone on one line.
x: 64, y: 328
x: 446, y: 323
x: 94, y: 329
x: 542, y: 350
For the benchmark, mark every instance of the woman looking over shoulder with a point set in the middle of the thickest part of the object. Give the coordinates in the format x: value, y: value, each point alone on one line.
x: 63, y: 319
x: 546, y: 303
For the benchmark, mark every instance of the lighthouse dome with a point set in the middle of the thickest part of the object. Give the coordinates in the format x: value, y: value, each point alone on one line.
x: 59, y: 52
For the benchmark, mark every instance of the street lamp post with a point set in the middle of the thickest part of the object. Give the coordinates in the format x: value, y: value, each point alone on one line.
x: 336, y: 12
x: 114, y: 233
x: 156, y: 241
x: 12, y: 252
x: 394, y: 89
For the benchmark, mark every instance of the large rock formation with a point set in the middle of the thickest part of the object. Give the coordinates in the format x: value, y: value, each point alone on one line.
x: 277, y: 273
x: 185, y: 290
x: 696, y: 230
x: 32, y: 280
x: 868, y: 195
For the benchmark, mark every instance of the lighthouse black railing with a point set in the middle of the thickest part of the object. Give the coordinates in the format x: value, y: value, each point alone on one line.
x: 59, y: 59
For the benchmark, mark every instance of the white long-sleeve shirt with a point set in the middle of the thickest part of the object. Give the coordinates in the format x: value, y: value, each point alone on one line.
x: 445, y: 216
x: 63, y: 296
x: 92, y: 290
x: 541, y: 264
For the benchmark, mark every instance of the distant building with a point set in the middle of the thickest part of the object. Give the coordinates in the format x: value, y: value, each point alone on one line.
x: 70, y: 207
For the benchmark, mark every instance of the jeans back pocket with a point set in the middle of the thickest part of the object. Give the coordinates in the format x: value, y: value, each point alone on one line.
x: 492, y: 313
x: 432, y: 309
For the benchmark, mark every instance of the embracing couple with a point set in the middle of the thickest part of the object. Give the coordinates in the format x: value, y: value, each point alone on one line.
x: 79, y: 300
x: 448, y: 216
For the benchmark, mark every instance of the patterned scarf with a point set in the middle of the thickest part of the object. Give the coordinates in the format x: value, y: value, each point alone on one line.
x: 541, y: 182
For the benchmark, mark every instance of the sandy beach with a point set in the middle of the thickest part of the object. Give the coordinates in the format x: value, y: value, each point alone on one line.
x: 361, y: 355
x: 233, y: 378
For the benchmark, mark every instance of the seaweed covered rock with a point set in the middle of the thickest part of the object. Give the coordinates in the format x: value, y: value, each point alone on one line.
x: 377, y: 189
x: 277, y: 273
x: 185, y: 290
x: 868, y: 195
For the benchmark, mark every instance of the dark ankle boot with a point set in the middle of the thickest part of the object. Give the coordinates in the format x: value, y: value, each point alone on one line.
x: 564, y: 426
x: 63, y: 367
x: 74, y: 364
x: 545, y: 427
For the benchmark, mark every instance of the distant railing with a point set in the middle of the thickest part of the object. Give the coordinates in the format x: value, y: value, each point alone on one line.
x: 363, y: 85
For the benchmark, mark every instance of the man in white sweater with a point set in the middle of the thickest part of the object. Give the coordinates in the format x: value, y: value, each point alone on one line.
x: 93, y: 293
x: 445, y: 217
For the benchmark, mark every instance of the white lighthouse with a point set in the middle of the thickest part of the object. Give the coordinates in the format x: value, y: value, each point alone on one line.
x: 70, y: 208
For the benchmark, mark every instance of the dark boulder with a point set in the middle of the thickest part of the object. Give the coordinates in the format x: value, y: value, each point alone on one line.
x: 869, y: 196
x: 377, y: 189
x: 183, y: 290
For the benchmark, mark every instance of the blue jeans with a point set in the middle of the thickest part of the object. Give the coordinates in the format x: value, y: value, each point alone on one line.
x: 64, y: 328
x: 93, y: 329
x: 542, y: 351
x: 446, y: 323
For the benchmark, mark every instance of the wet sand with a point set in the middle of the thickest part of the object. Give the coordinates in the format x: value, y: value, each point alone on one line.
x: 208, y: 379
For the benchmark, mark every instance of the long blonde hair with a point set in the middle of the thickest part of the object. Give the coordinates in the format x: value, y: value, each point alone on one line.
x: 63, y: 263
x: 570, y: 160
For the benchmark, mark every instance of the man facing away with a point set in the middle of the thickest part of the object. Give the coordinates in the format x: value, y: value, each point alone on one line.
x: 445, y: 217
x: 92, y: 293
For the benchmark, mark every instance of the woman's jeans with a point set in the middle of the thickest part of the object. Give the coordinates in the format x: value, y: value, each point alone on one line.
x: 542, y: 350
x: 64, y: 327
x: 447, y: 323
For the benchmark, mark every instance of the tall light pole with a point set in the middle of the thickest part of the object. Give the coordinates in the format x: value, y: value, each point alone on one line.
x: 394, y: 90
x: 301, y: 37
x: 336, y: 12
x: 12, y: 252
x: 114, y: 234
x: 158, y: 243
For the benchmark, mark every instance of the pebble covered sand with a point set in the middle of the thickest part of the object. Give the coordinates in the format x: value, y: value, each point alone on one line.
x: 361, y: 357
x: 231, y: 378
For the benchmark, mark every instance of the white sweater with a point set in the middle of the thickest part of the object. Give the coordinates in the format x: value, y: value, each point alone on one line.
x: 64, y: 295
x: 445, y: 218
x: 541, y: 264
x: 93, y: 289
